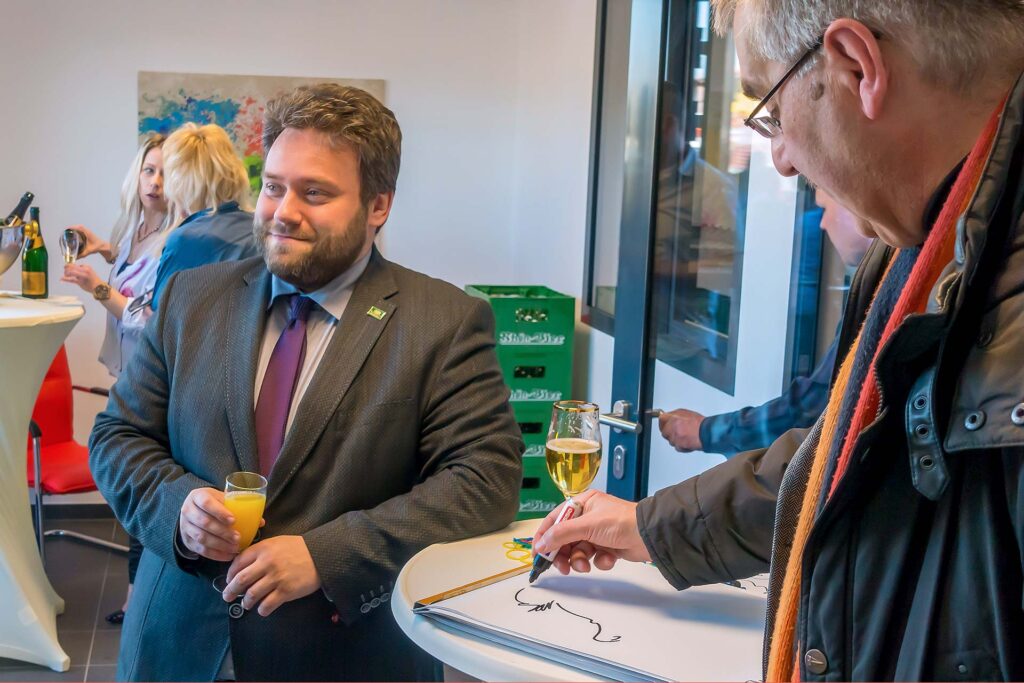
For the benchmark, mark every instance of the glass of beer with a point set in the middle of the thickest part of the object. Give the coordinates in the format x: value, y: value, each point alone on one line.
x: 574, y: 446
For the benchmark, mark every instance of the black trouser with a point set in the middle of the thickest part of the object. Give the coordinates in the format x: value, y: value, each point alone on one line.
x: 134, y: 555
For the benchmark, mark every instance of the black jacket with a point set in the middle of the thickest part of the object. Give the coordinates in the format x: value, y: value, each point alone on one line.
x: 913, y: 570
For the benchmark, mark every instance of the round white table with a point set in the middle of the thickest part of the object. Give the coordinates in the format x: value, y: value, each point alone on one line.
x: 31, y: 332
x: 441, y: 566
x: 720, y: 637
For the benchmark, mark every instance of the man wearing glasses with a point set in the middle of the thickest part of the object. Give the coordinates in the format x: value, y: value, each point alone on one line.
x: 895, y: 528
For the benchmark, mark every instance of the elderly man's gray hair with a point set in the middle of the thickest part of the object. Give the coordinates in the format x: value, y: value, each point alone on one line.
x: 955, y: 42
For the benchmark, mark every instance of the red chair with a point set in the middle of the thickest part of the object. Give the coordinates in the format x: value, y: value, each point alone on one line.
x: 58, y: 464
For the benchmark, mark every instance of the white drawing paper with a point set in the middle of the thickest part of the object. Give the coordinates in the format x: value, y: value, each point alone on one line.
x: 627, y: 624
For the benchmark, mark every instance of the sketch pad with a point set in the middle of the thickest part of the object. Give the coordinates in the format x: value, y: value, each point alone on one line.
x: 627, y: 624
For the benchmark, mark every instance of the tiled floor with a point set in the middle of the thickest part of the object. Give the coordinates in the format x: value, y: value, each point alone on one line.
x: 92, y: 582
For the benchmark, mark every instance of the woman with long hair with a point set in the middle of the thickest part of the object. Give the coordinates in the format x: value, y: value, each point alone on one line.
x: 134, y: 249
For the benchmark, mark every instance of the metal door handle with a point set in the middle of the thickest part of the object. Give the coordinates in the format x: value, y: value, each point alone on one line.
x: 619, y: 418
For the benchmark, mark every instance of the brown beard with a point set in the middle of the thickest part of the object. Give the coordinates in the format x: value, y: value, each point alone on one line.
x: 334, y: 252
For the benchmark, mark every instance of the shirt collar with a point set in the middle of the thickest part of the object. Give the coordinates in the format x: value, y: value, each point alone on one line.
x: 332, y: 297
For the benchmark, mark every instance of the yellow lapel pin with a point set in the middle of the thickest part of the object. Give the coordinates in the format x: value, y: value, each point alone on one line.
x: 375, y: 312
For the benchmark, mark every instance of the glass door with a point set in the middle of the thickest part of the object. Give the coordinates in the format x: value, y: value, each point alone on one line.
x: 706, y: 236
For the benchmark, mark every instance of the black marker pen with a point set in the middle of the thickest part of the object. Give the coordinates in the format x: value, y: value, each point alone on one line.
x: 542, y: 562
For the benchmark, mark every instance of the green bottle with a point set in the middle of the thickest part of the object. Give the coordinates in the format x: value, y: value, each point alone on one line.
x: 34, y: 260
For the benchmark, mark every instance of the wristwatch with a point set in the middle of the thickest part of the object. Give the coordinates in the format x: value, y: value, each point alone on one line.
x: 101, y: 292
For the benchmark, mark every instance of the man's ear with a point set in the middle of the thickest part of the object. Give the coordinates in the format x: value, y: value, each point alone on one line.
x: 380, y: 209
x: 856, y: 63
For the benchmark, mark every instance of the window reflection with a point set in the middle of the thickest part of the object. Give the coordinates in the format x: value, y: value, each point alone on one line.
x: 695, y: 243
x: 704, y: 155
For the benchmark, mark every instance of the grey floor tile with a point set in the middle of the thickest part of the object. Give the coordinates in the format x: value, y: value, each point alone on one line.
x: 104, y: 648
x: 120, y: 535
x: 81, y: 600
x: 113, y: 597
x: 77, y: 571
x: 118, y: 566
x: 103, y: 674
x: 67, y: 557
x: 39, y: 673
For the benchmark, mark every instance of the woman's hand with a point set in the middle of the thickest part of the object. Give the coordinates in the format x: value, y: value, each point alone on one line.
x: 93, y: 244
x: 82, y: 275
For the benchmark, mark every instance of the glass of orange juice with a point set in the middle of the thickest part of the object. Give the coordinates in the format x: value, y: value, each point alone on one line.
x: 245, y: 494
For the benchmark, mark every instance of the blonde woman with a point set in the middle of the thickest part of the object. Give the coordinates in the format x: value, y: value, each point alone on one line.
x: 207, y: 189
x: 134, y: 250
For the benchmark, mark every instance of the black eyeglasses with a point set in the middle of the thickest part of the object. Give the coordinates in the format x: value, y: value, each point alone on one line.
x: 769, y: 126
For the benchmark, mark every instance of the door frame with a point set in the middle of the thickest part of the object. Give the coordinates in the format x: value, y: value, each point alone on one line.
x: 634, y: 355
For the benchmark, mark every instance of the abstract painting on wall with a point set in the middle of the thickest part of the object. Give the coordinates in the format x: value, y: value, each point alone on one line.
x: 236, y: 103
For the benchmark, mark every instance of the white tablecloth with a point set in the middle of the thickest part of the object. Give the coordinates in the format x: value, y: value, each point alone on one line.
x: 31, y: 332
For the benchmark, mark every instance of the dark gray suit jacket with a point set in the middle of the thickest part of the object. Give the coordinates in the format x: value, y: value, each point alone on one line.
x: 403, y: 439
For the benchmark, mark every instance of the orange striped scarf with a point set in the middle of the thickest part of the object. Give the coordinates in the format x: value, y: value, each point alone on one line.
x: 937, y: 252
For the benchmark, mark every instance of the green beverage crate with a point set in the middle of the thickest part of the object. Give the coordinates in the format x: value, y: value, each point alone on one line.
x: 533, y: 317
x: 534, y: 328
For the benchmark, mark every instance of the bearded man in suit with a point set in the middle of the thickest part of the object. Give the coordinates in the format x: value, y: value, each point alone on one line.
x: 368, y: 395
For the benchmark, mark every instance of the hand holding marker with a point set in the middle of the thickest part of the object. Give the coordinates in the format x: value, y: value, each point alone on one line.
x: 604, y: 532
x: 542, y: 561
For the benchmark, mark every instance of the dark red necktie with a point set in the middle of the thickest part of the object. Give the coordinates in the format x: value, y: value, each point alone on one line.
x: 279, y: 382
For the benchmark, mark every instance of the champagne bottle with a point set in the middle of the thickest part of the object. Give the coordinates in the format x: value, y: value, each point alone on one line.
x: 17, y: 216
x: 34, y: 260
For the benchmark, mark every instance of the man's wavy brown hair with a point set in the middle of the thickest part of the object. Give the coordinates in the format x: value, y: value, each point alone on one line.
x: 348, y: 116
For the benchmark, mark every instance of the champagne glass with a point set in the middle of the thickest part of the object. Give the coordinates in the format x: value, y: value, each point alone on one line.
x: 245, y: 495
x: 71, y: 243
x: 573, y: 448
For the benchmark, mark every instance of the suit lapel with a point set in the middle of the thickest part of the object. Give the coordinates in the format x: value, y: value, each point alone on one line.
x: 368, y: 312
x: 247, y: 317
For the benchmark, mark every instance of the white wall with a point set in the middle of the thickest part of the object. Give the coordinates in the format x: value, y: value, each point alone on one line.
x: 551, y: 161
x: 493, y: 98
